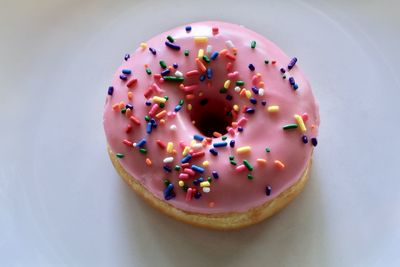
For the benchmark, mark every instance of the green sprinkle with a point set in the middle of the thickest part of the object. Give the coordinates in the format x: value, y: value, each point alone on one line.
x: 267, y: 150
x: 253, y: 44
x: 166, y: 182
x: 206, y: 58
x: 173, y: 78
x: 185, y: 187
x: 166, y: 97
x: 177, y: 168
x: 146, y: 118
x: 186, y: 53
x: 123, y: 110
x: 248, y: 165
x: 229, y: 114
x: 181, y: 102
x: 224, y: 138
x: 119, y: 155
x: 148, y: 71
x: 290, y: 126
x: 163, y: 64
x: 143, y: 150
x: 169, y: 37
x: 161, y: 105
x: 231, y: 157
x: 233, y: 162
x: 239, y: 83
x: 249, y: 176
x: 209, y: 179
x: 266, y: 61
x: 223, y: 90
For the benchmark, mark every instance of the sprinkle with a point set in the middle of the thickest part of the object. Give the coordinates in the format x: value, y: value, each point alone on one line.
x: 126, y: 57
x: 188, y: 28
x: 172, y: 46
x: 131, y: 83
x: 153, y: 51
x: 314, y: 141
x: 167, y: 168
x: 282, y: 70
x: 168, y: 192
x: 123, y: 77
x: 200, y: 53
x: 185, y: 151
x: 126, y: 71
x: 215, y: 174
x: 159, y: 100
x: 279, y: 164
x: 251, y: 67
x: 232, y: 143
x: 200, y: 65
x: 214, y: 152
x: 220, y: 144
x: 148, y: 162
x: 209, y: 49
x: 261, y: 161
x: 253, y: 44
x: 243, y: 149
x: 186, y: 52
x: 127, y: 142
x: 205, y: 183
x: 290, y: 126
x: 143, y: 150
x: 119, y: 155
x: 183, y: 176
x: 181, y: 183
x: 149, y: 127
x: 135, y: 120
x: 186, y: 158
x: 178, y: 73
x: 292, y: 63
x: 249, y: 176
x: 267, y: 149
x: 206, y: 58
x: 229, y: 44
x: 161, y: 114
x: 170, y: 38
x: 304, y: 139
x: 148, y: 71
x: 170, y: 147
x: 197, y: 168
x: 189, y: 171
x: 198, y: 137
x: 141, y: 143
x: 240, y: 168
x: 163, y: 64
x: 143, y: 45
x: 239, y: 83
x: 172, y: 127
x: 205, y: 163
x: 110, y: 90
x: 200, y: 39
x: 268, y: 190
x: 291, y: 81
x: 273, y: 109
x: 227, y: 83
x: 215, y: 30
x: 300, y: 122
x: 250, y: 110
x: 248, y: 165
x: 161, y: 144
x: 207, y: 190
x: 214, y: 55
x: 304, y: 117
x: 168, y: 160
x: 233, y: 162
x: 261, y: 91
x: 209, y: 73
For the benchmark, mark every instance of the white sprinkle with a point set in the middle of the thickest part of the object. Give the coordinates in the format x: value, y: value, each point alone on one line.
x: 197, y: 146
x: 178, y: 73
x: 206, y: 189
x: 134, y: 144
x: 229, y: 44
x: 209, y: 49
x: 168, y: 160
x: 261, y: 91
x: 172, y: 127
x: 237, y: 89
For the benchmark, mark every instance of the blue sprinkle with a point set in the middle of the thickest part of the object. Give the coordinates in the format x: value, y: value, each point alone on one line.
x: 149, y: 128
x: 172, y: 46
x: 282, y: 70
x: 304, y: 139
x: 170, y: 196
x: 215, y: 174
x: 232, y: 143
x: 209, y: 73
x: 148, y: 103
x: 175, y: 65
x: 186, y: 158
x: 251, y: 67
x: 214, y: 55
x: 168, y: 191
x: 268, y: 190
x: 291, y: 81
x: 250, y: 110
x: 197, y: 168
x: 188, y: 28
x: 202, y: 77
x: 165, y: 72
x: 254, y: 89
x: 214, y: 152
x: 126, y: 57
x: 123, y: 77
x: 141, y: 143
x: 167, y: 168
x: 197, y: 195
x: 314, y: 141
x: 220, y: 144
x: 126, y: 71
x: 240, y: 129
x: 201, y: 179
x: 292, y: 63
x: 198, y: 137
x: 229, y: 97
x: 153, y: 121
x: 110, y: 90
x: 295, y: 86
x: 253, y: 100
x: 264, y: 102
x: 152, y: 50
x: 177, y: 108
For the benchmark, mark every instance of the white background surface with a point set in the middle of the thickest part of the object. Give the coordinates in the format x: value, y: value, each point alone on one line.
x: 62, y: 203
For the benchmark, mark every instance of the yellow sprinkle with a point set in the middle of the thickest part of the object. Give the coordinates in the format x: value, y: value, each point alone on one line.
x: 170, y: 147
x: 143, y: 45
x: 200, y: 54
x: 248, y: 93
x: 189, y: 106
x: 300, y: 122
x: 235, y: 107
x: 273, y: 109
x: 200, y: 39
x: 279, y: 164
x: 243, y: 149
x: 185, y: 151
x: 159, y: 100
x: 181, y: 183
x: 227, y: 83
x: 205, y: 163
x: 205, y: 183
x: 262, y: 161
x: 193, y: 142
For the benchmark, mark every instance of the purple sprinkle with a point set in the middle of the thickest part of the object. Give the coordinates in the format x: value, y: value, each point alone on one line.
x: 268, y: 190
x: 175, y: 65
x: 228, y: 97
x: 196, y: 182
x: 314, y: 141
x: 126, y: 57
x: 291, y: 81
x: 214, y: 152
x: 232, y: 143
x: 264, y: 102
x: 254, y: 89
x: 251, y: 67
x: 129, y: 106
x: 292, y: 63
x: 283, y: 70
x: 215, y: 174
x: 304, y: 139
x: 168, y: 191
x: 188, y: 28
x: 253, y: 100
x: 197, y: 195
x: 165, y: 72
x: 240, y: 129
x: 123, y: 77
x: 172, y: 46
x: 167, y: 168
x: 148, y: 103
x: 152, y: 50
x: 110, y: 90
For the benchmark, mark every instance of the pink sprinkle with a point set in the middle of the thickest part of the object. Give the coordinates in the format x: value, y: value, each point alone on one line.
x: 127, y: 142
x: 242, y: 121
x: 229, y: 66
x: 231, y: 57
x: 192, y: 73
x: 128, y: 128
x: 304, y: 117
x: 198, y: 154
x: 182, y: 144
x: 189, y: 194
x: 255, y: 79
x: 190, y: 88
x: 240, y: 168
x: 231, y: 131
x: 157, y: 76
x: 233, y: 75
x: 185, y: 165
x: 153, y: 110
x: 189, y: 171
x: 157, y: 88
x: 148, y: 92
x: 183, y: 176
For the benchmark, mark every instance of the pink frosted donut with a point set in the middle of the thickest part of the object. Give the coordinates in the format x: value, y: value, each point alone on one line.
x: 212, y: 123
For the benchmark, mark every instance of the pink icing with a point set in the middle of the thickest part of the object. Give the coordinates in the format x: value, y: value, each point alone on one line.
x: 233, y: 191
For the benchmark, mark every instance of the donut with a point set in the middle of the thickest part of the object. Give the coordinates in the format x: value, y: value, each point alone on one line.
x: 212, y: 124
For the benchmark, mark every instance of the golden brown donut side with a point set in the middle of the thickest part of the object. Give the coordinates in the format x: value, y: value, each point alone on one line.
x: 219, y: 221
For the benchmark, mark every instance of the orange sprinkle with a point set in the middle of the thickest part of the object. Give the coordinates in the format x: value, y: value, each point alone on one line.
x: 242, y: 92
x: 223, y: 52
x: 135, y: 120
x: 161, y: 114
x: 190, y: 96
x: 261, y: 84
x: 148, y: 162
x: 234, y: 124
x: 279, y: 164
x: 200, y: 65
x: 261, y: 161
x: 162, y: 122
x: 146, y: 65
x: 115, y: 106
x: 217, y: 134
x: 234, y: 50
x: 128, y: 112
x: 130, y: 95
x: 121, y: 105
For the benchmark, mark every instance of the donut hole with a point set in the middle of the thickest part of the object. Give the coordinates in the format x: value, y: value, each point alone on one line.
x: 211, y: 115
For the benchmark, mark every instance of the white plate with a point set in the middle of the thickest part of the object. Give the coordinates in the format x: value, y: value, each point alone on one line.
x: 62, y: 203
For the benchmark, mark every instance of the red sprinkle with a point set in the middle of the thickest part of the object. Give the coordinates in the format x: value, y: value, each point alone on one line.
x: 161, y: 144
x: 131, y: 83
x: 135, y: 120
x: 198, y: 154
x: 128, y: 128
x: 127, y: 142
